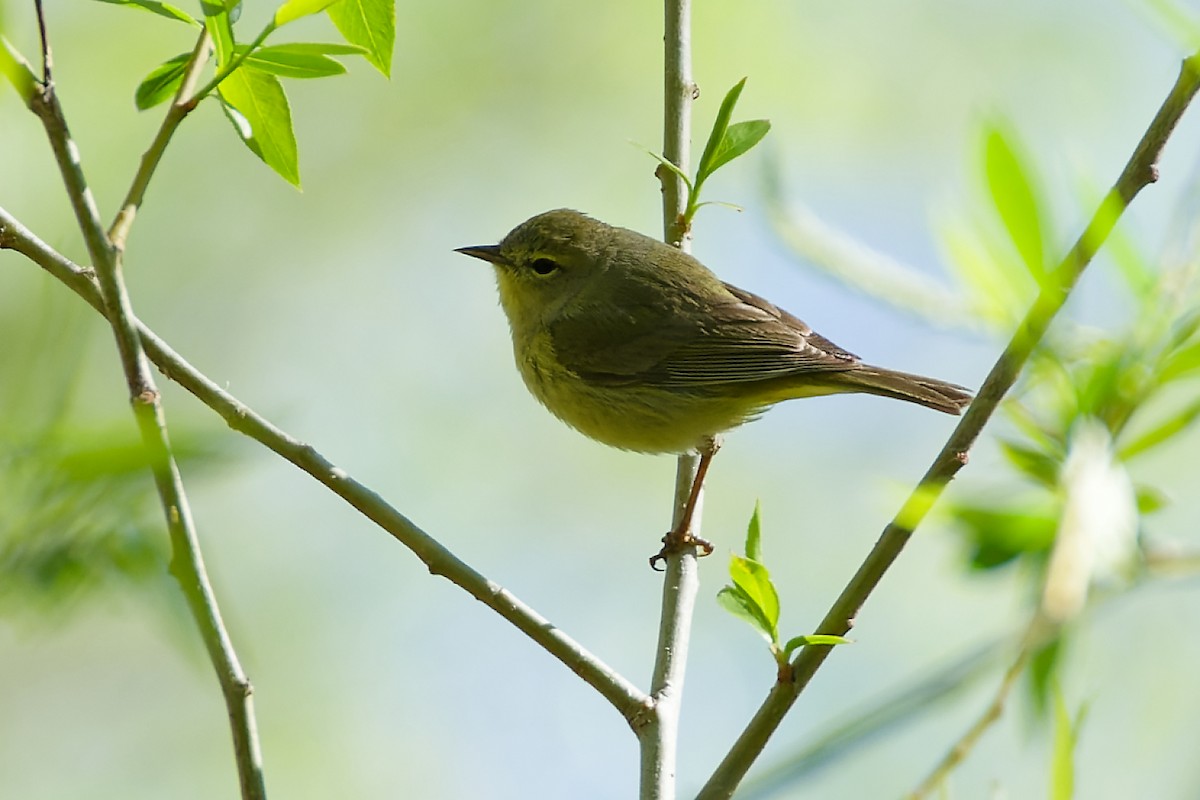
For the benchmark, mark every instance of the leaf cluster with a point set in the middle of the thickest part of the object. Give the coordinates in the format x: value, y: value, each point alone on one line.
x: 74, y: 515
x: 1130, y: 378
x: 246, y: 78
x: 752, y: 597
x: 1135, y: 380
x: 726, y: 142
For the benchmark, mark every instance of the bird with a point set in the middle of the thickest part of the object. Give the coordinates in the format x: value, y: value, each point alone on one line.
x: 639, y: 346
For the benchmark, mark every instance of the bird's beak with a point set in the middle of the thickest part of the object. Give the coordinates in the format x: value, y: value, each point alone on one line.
x: 486, y: 252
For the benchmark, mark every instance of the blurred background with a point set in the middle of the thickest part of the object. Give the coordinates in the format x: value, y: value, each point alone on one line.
x: 342, y: 314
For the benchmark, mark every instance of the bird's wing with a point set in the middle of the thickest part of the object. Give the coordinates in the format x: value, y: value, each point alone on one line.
x: 735, y: 338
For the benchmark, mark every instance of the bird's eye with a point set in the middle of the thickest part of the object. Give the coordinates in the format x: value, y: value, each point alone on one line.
x: 544, y: 266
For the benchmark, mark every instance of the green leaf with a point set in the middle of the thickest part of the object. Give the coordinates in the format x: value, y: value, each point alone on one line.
x: 370, y: 24
x: 293, y: 10
x: 78, y: 515
x: 1150, y: 500
x: 1014, y: 199
x: 797, y: 642
x: 216, y: 19
x: 738, y: 139
x: 161, y: 9
x: 16, y: 69
x: 258, y: 108
x: 993, y: 295
x: 753, y: 579
x: 1043, y: 673
x: 162, y: 83
x: 1165, y: 430
x: 1184, y: 327
x: 288, y: 63
x: 668, y: 165
x: 1180, y: 364
x: 1036, y: 464
x: 717, y: 135
x: 754, y: 534
x: 735, y: 601
x: 999, y: 535
x: 1100, y: 386
x: 319, y: 48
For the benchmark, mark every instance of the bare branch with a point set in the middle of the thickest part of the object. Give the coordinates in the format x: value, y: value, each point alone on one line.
x: 658, y: 736
x: 624, y: 696
x: 187, y: 564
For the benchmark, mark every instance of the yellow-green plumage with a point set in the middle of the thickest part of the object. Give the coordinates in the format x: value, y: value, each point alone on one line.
x: 638, y: 345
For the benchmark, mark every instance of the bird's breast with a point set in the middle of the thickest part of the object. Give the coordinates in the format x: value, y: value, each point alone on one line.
x: 632, y: 416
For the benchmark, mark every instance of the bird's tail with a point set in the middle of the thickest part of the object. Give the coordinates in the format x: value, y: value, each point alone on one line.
x: 929, y: 392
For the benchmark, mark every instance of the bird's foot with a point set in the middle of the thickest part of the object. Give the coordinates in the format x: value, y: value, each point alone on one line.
x: 674, y: 542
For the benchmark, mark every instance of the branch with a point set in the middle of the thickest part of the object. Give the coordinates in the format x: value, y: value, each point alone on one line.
x: 626, y: 698
x: 1140, y: 171
x: 187, y: 564
x: 884, y: 715
x: 1039, y: 632
x: 658, y: 732
x: 185, y: 100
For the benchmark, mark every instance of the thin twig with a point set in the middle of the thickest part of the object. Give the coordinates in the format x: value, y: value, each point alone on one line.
x: 1140, y: 171
x: 624, y: 696
x: 181, y: 106
x: 1039, y: 632
x: 47, y: 59
x: 658, y: 732
x: 187, y: 565
x: 899, y: 707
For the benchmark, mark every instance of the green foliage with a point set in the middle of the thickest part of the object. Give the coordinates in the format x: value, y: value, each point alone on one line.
x: 255, y: 103
x: 1127, y: 378
x: 162, y: 9
x: 752, y: 597
x: 162, y: 83
x: 1135, y: 379
x: 66, y: 529
x: 299, y: 60
x: 996, y: 534
x: 77, y: 515
x: 994, y: 262
x: 1014, y: 199
x: 16, y: 71
x: 1043, y: 672
x: 246, y: 77
x: 725, y: 143
x: 220, y: 28
x: 293, y: 10
x: 371, y: 25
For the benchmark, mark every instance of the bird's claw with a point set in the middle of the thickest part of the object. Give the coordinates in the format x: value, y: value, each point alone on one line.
x: 676, y: 541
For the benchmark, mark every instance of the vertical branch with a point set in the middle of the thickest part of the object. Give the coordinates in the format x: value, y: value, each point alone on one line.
x: 186, y: 562
x: 658, y: 738
x: 678, y: 93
